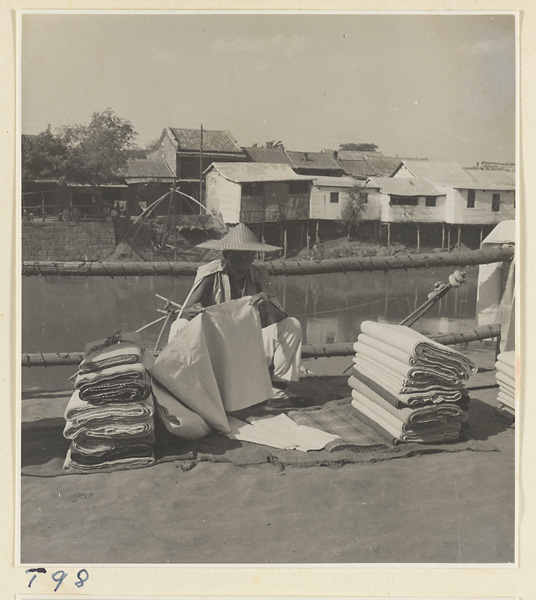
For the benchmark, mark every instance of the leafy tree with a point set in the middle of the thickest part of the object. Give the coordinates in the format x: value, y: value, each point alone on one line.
x: 362, y: 147
x: 275, y: 144
x: 352, y: 213
x: 97, y: 152
x: 43, y: 156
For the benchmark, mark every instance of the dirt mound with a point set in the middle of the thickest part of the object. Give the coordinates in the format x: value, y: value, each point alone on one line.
x: 124, y: 252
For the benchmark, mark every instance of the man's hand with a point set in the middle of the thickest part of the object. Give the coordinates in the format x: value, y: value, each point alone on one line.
x: 258, y: 299
x: 195, y: 309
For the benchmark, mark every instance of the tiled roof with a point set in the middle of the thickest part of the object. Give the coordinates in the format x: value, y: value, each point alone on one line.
x: 357, y: 168
x: 267, y: 155
x: 312, y: 160
x: 213, y: 141
x: 405, y: 186
x: 382, y: 165
x: 249, y: 172
x: 355, y: 154
x: 149, y: 169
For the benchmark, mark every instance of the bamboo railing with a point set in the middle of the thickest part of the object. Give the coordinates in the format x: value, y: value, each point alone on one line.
x: 57, y: 359
x: 362, y: 264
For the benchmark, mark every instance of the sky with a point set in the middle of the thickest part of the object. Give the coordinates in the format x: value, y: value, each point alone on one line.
x: 440, y: 86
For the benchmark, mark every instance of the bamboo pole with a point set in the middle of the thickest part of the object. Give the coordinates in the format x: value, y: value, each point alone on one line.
x: 356, y: 264
x: 55, y: 359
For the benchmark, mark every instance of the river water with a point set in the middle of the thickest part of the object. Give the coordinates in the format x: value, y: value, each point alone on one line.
x: 61, y: 314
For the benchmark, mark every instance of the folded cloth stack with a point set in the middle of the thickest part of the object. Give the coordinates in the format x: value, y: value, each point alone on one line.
x: 506, y: 378
x: 408, y: 387
x: 109, y: 417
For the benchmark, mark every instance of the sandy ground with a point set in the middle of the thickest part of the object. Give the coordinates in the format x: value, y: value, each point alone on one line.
x: 447, y: 507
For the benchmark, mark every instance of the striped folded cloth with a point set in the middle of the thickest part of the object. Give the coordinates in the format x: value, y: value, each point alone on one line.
x: 128, y: 457
x: 122, y: 383
x: 417, y: 345
x: 123, y: 353
x: 423, y: 416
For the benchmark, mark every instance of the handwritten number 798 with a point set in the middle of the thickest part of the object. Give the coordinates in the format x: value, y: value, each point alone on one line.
x: 59, y: 576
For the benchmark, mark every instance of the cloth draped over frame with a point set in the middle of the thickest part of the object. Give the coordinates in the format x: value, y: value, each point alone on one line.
x: 217, y: 363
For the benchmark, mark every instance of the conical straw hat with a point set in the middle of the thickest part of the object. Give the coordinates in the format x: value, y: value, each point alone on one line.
x: 239, y: 238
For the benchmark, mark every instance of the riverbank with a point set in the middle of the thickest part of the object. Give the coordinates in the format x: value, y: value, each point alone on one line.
x: 441, y: 507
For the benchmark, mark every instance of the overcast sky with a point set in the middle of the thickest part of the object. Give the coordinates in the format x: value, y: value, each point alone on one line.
x: 436, y: 86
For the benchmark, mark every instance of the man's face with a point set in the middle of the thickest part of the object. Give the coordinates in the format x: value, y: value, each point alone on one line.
x: 239, y: 262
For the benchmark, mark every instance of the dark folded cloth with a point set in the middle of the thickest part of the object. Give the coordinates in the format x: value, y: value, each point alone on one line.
x: 124, y: 383
x: 101, y: 447
x: 119, y: 453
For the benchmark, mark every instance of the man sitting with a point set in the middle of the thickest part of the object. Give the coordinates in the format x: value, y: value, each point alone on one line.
x: 235, y: 276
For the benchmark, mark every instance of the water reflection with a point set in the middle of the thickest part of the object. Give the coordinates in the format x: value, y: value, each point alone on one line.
x: 64, y: 313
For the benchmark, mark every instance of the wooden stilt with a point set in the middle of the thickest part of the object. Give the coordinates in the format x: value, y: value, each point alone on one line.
x: 459, y: 236
x: 481, y: 233
x: 442, y: 236
x: 285, y: 240
x: 418, y: 237
x: 43, y: 206
x: 317, y: 233
x: 388, y: 239
x: 448, y: 237
x: 307, y: 240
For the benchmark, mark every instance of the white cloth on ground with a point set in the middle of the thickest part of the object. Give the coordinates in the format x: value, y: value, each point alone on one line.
x: 279, y: 432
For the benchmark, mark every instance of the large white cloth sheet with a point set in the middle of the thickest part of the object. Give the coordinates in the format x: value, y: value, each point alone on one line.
x: 279, y: 432
x: 216, y: 363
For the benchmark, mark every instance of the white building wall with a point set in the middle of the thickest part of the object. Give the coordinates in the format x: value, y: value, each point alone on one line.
x: 481, y: 214
x: 321, y: 205
x: 223, y: 196
x: 323, y: 208
x: 412, y: 214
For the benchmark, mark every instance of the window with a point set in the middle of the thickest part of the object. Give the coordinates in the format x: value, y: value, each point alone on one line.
x: 298, y: 187
x: 496, y: 202
x: 334, y: 197
x: 430, y: 201
x: 404, y: 201
x: 470, y: 198
x: 363, y: 197
x: 252, y: 189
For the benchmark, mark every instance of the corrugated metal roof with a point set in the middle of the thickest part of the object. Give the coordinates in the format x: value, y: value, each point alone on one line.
x: 242, y: 172
x: 154, y: 169
x: 405, y: 186
x: 312, y: 160
x: 446, y: 173
x: 213, y: 141
x: 503, y: 180
x: 267, y: 155
x: 346, y: 182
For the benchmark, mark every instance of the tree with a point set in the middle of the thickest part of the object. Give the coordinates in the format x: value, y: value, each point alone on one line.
x: 362, y: 147
x: 352, y: 213
x: 98, y: 152
x: 43, y: 156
